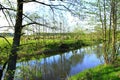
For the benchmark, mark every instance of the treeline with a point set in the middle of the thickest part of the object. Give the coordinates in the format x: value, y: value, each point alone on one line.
x: 7, y: 34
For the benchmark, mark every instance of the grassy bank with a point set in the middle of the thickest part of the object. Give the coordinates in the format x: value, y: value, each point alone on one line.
x: 50, y: 46
x: 101, y: 72
x: 32, y: 47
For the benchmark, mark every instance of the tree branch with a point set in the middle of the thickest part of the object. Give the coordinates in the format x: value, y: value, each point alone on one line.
x: 5, y: 39
x: 5, y: 26
x: 7, y: 8
x: 50, y: 5
x: 33, y: 22
x: 38, y: 24
x: 2, y: 8
x: 42, y: 3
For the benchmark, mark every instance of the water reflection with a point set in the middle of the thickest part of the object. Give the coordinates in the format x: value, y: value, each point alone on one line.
x: 60, y: 66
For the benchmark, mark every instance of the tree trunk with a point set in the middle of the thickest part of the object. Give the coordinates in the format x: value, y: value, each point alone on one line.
x: 109, y: 35
x: 103, y: 21
x: 16, y: 42
x: 114, y: 26
x: 105, y: 47
x: 1, y: 70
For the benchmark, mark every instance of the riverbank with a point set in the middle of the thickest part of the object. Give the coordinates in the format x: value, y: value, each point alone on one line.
x: 101, y: 72
x: 33, y: 48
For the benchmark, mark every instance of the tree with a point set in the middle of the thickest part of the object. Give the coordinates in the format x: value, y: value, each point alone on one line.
x: 114, y: 6
x: 107, y: 10
x: 72, y: 5
x: 16, y: 41
x: 17, y: 32
x: 110, y: 42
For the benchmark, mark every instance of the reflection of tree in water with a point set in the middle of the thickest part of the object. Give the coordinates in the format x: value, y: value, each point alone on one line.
x: 98, y: 51
x: 76, y: 57
x: 27, y: 71
x: 57, y: 70
x: 60, y: 69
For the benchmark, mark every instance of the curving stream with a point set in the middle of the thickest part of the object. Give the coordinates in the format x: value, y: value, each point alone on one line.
x: 60, y: 66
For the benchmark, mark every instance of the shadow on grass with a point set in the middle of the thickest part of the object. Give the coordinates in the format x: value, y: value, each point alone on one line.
x: 107, y: 73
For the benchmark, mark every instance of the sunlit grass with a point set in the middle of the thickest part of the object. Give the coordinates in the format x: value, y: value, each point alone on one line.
x: 102, y: 72
x: 35, y: 46
x: 4, y: 42
x: 5, y: 48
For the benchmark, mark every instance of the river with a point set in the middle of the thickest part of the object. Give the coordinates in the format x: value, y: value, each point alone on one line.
x: 60, y: 66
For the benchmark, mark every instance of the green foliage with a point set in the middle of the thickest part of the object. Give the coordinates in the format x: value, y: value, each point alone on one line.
x: 4, y: 49
x: 102, y: 72
x: 3, y: 42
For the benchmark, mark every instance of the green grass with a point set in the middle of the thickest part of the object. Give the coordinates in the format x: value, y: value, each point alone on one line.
x: 3, y: 42
x: 101, y: 72
x: 4, y: 49
x: 33, y: 47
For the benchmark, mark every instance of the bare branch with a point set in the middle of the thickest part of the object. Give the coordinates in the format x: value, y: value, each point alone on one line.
x: 50, y: 5
x: 4, y: 8
x: 33, y: 22
x: 38, y: 2
x: 7, y: 9
x: 10, y: 3
x: 37, y: 24
x: 6, y: 16
x: 9, y: 13
x: 5, y: 40
x: 6, y: 26
x: 66, y: 9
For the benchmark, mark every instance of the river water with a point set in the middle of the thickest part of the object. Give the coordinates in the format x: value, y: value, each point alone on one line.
x: 60, y: 66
